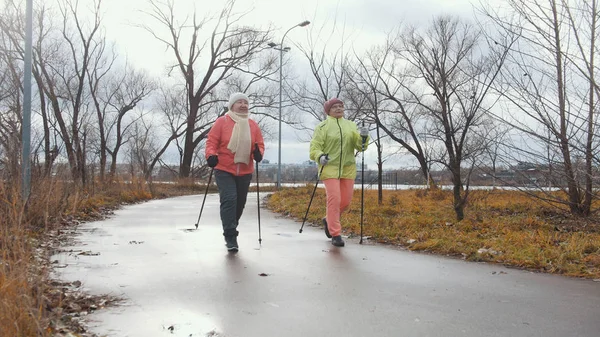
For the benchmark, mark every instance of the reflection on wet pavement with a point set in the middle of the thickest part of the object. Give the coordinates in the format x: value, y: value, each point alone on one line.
x: 176, y: 281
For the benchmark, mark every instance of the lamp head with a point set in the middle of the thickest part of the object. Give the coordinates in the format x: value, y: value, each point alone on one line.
x: 271, y: 44
x: 304, y: 23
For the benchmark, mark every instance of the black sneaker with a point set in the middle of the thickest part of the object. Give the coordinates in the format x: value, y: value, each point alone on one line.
x: 231, y: 243
x: 326, y: 228
x: 337, y: 241
x: 231, y: 240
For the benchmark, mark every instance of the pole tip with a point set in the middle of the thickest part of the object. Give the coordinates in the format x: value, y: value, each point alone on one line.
x: 300, y: 231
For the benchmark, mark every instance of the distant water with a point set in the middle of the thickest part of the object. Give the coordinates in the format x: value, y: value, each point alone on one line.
x: 413, y: 187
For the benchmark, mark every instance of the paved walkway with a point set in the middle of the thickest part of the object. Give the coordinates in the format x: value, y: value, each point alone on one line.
x: 182, y: 282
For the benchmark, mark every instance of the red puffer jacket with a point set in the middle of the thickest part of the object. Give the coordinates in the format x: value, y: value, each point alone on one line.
x: 218, y: 138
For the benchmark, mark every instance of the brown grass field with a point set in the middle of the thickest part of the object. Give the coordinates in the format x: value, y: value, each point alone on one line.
x: 505, y: 227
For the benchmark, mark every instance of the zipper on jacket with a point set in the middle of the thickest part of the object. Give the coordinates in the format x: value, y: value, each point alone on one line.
x: 341, y: 148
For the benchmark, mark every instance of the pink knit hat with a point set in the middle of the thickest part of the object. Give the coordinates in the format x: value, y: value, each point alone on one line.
x: 330, y: 103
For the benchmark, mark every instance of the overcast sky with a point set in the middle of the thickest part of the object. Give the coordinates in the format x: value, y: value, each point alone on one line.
x: 367, y: 21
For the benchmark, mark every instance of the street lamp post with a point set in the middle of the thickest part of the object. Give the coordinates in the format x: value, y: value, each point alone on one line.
x: 281, y: 50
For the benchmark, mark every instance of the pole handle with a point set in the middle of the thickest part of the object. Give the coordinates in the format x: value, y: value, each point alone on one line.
x: 364, y: 138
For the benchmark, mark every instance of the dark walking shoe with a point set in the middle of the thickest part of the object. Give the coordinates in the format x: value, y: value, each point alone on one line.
x: 231, y: 243
x: 231, y: 240
x: 326, y: 228
x: 337, y: 241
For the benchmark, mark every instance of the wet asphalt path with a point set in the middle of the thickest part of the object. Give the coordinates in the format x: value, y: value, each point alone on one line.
x: 178, y: 282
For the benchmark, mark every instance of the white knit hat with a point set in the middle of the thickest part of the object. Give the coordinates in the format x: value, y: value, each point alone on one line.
x: 235, y: 97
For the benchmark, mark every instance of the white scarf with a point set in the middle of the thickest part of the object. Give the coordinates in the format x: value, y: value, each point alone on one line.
x: 240, y: 142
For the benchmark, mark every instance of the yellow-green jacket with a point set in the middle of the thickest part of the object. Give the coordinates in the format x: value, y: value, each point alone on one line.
x: 337, y: 137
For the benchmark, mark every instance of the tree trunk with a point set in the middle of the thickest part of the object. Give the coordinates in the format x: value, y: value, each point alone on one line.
x: 49, y: 154
x: 459, y: 202
x: 572, y: 186
x: 188, y: 147
x: 589, y: 154
x: 379, y: 168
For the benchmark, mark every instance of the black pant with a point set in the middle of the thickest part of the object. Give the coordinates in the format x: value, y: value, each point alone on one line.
x: 233, y: 191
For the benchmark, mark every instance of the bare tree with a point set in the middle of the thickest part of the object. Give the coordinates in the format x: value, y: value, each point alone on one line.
x: 584, y: 17
x: 229, y: 49
x: 451, y: 79
x: 115, y: 96
x: 495, y: 136
x: 44, y: 52
x: 127, y: 92
x: 172, y: 107
x: 83, y: 43
x: 397, y: 113
x: 329, y: 60
x: 96, y: 80
x: 12, y: 28
x: 142, y: 148
x: 10, y: 111
x: 551, y: 92
x: 62, y: 58
x: 364, y: 90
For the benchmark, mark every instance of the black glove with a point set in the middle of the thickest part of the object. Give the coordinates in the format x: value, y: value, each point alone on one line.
x: 212, y: 160
x: 257, y: 155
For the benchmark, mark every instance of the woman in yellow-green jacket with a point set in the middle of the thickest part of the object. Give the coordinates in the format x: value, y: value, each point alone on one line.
x: 332, y: 147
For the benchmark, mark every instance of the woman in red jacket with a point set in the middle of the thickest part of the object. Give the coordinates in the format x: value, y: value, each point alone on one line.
x: 233, y: 142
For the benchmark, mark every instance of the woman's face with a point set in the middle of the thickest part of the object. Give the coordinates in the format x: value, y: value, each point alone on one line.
x: 337, y: 110
x: 240, y: 106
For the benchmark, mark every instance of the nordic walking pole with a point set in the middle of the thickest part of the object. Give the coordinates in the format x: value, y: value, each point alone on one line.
x: 258, y: 199
x: 311, y: 198
x: 362, y: 181
x: 205, y: 193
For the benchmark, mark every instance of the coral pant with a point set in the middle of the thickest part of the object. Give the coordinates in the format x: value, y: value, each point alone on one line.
x: 339, y: 194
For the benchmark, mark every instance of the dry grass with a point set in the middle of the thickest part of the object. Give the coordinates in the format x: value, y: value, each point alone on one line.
x: 21, y: 286
x: 501, y: 226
